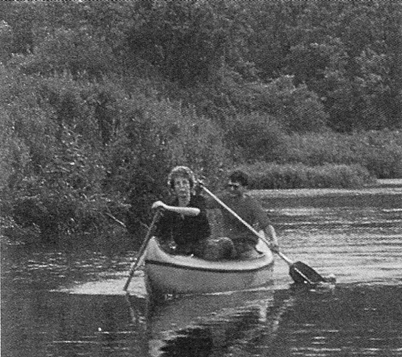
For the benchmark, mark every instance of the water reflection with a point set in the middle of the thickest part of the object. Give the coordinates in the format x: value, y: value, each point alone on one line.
x: 349, y: 320
x: 212, y: 325
x: 70, y: 302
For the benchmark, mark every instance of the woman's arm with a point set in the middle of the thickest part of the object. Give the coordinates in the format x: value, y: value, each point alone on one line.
x: 187, y: 211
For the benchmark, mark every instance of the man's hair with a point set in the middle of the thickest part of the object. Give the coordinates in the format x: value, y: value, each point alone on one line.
x: 239, y: 176
x: 181, y: 171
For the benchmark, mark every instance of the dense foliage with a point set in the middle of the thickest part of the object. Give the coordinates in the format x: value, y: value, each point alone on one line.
x: 100, y: 99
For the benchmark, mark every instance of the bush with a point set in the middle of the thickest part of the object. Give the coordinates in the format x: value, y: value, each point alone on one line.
x: 380, y: 152
x: 319, y: 149
x: 75, y: 51
x: 274, y: 176
x: 66, y: 196
x: 153, y: 137
x: 296, y: 107
x: 256, y: 137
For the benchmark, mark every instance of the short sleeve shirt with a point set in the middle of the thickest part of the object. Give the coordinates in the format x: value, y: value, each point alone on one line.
x: 248, y: 209
x: 185, y: 229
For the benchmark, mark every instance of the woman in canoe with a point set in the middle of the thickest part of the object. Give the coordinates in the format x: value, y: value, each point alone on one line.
x: 184, y: 220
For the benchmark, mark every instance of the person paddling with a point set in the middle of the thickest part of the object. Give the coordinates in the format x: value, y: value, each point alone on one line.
x: 184, y: 220
x: 250, y: 210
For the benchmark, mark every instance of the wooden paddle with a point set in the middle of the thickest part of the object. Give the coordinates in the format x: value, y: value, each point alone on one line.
x: 141, y: 252
x: 300, y: 272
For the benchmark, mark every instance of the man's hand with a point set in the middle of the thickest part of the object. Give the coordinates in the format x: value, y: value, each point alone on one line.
x: 274, y: 247
x: 270, y: 235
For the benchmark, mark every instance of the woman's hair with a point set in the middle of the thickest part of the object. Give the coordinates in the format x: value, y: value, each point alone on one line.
x: 181, y: 171
x: 239, y: 176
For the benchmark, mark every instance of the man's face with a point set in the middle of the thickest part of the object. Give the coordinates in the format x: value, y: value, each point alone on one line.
x: 235, y: 189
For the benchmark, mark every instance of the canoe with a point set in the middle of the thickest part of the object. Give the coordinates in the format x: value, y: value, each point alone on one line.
x: 177, y: 274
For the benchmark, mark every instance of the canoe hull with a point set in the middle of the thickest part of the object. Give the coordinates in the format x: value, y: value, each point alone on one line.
x: 174, y: 274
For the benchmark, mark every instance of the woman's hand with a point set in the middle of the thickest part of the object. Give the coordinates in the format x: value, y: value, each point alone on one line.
x: 186, y: 211
x: 158, y: 205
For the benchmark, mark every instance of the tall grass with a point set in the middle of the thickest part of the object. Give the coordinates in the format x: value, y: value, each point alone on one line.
x: 275, y: 176
x: 380, y: 152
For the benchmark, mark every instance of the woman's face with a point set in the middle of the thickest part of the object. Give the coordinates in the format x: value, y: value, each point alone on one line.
x: 182, y: 187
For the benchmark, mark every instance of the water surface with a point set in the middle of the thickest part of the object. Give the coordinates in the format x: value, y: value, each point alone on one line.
x: 70, y: 303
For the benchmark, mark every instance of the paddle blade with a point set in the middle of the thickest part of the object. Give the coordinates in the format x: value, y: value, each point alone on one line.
x: 301, y: 273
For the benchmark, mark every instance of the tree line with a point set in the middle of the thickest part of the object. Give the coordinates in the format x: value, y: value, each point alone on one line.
x: 100, y: 99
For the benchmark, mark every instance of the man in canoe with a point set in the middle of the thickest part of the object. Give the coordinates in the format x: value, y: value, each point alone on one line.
x: 184, y: 220
x: 247, y: 208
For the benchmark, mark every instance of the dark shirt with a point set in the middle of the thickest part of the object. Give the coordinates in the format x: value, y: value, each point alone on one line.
x: 184, y: 230
x: 249, y: 209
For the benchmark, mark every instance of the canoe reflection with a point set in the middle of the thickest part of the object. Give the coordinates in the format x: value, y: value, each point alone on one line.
x: 210, y: 325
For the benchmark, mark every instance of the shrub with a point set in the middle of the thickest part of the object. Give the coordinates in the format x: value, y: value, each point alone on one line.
x: 75, y: 51
x: 298, y: 109
x: 380, y: 152
x: 274, y: 176
x: 52, y: 168
x: 66, y: 196
x: 154, y: 136
x: 319, y: 148
x: 257, y: 136
x: 73, y: 149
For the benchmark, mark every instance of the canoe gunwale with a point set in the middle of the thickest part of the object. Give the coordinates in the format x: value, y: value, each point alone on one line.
x: 212, y: 270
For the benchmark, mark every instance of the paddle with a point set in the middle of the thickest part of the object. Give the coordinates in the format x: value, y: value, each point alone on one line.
x: 121, y: 223
x: 116, y: 220
x: 141, y: 252
x: 300, y: 272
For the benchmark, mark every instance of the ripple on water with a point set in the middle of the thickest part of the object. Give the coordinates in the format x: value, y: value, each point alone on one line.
x: 64, y: 304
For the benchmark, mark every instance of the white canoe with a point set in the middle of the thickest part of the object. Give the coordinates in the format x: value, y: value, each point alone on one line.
x: 177, y: 274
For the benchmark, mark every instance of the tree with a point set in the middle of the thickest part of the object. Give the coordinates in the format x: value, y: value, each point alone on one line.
x: 189, y: 41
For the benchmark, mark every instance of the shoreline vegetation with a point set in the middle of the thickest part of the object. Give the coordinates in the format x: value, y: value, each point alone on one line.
x: 99, y: 100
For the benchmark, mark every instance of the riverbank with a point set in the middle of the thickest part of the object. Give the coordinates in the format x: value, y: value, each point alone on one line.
x: 389, y: 183
x: 392, y: 186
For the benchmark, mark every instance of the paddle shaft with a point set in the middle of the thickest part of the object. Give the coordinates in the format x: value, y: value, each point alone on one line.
x: 116, y: 220
x: 141, y: 252
x: 281, y: 255
x: 122, y: 223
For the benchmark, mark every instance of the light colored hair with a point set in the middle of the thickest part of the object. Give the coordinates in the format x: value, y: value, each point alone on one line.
x: 181, y: 171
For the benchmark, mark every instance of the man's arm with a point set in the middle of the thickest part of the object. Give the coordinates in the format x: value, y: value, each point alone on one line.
x: 270, y: 234
x: 268, y: 229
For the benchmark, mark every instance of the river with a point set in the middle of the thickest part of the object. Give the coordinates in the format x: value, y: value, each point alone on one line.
x: 63, y: 303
